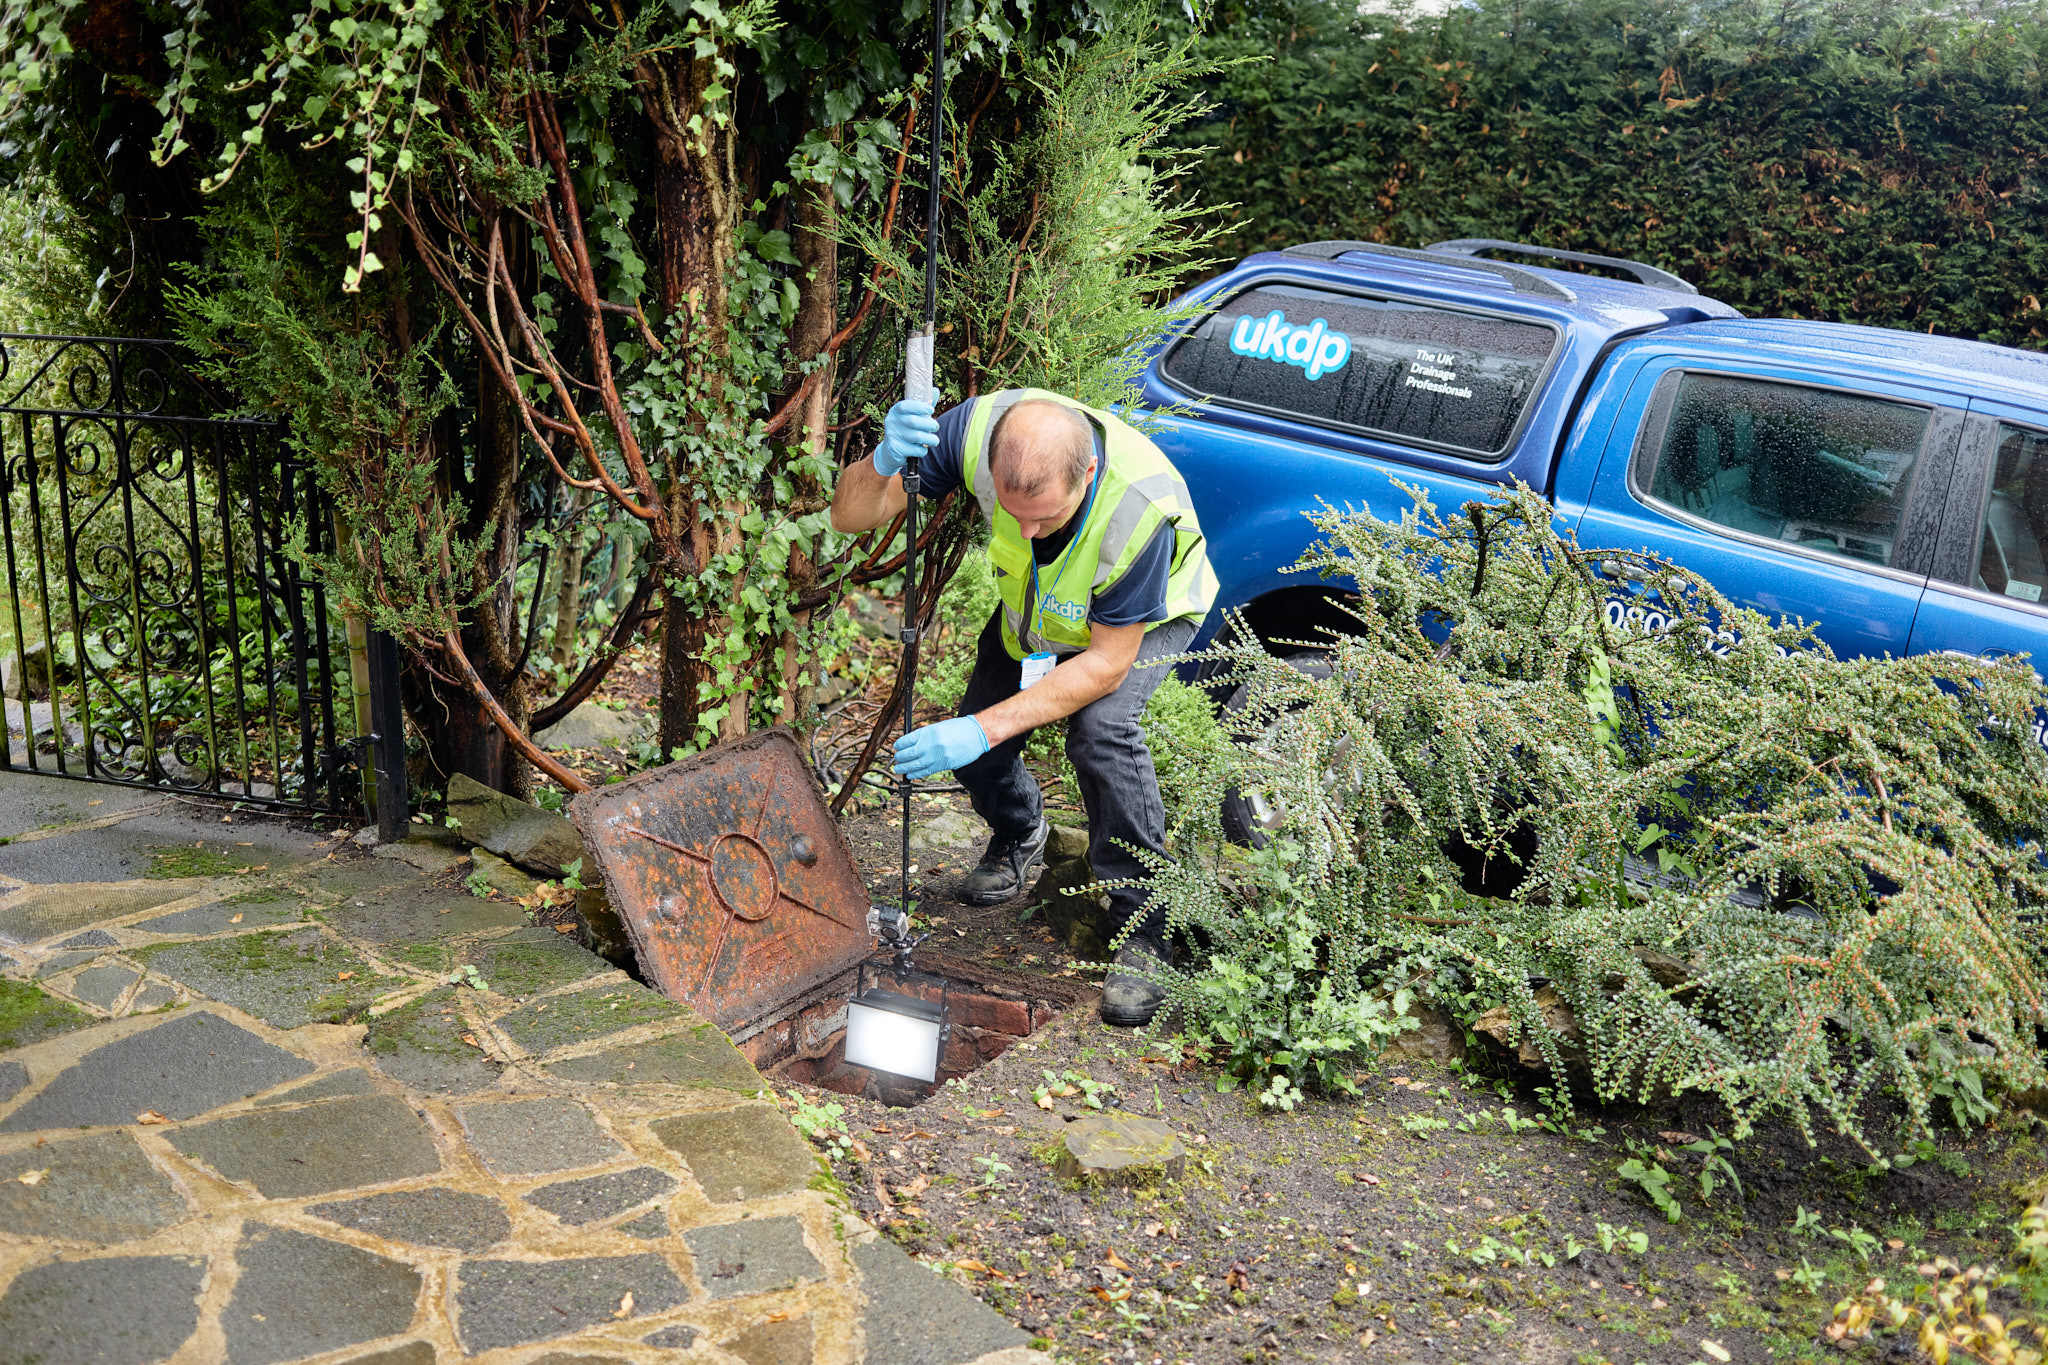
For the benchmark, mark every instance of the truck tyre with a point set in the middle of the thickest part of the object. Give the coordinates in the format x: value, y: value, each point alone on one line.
x: 1249, y: 818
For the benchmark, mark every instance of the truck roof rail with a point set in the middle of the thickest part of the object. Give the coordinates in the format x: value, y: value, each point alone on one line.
x: 1647, y: 274
x: 1526, y: 281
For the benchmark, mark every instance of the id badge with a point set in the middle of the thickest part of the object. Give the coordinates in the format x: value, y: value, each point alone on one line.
x: 1035, y: 666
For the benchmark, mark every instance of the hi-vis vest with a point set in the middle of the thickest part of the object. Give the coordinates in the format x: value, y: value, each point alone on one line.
x: 1139, y: 489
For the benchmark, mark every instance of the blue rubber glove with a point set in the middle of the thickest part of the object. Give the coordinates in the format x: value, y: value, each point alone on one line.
x: 909, y: 429
x: 932, y: 749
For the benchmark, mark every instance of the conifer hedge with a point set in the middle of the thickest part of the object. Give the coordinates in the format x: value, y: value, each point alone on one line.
x: 1857, y: 161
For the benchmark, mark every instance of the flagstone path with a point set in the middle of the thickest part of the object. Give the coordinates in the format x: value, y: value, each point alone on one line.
x: 265, y: 1097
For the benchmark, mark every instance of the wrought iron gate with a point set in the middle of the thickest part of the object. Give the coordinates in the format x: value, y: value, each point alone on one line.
x: 157, y: 627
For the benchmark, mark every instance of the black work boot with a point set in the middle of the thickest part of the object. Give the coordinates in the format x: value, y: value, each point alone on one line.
x: 1005, y: 870
x: 1130, y: 1000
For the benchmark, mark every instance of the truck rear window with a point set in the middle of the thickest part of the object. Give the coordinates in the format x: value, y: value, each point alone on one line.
x: 1407, y: 370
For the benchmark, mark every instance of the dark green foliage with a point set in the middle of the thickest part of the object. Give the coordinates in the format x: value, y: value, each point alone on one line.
x: 1858, y: 161
x: 1846, y: 844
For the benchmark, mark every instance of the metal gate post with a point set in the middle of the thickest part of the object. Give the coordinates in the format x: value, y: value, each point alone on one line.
x: 387, y: 739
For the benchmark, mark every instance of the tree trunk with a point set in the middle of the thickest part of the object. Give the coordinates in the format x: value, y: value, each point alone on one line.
x: 569, y: 581
x: 695, y: 221
x: 817, y: 317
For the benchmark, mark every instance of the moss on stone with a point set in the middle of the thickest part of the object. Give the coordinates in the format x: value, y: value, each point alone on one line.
x: 175, y: 861
x: 421, y: 1027
x: 27, y: 1015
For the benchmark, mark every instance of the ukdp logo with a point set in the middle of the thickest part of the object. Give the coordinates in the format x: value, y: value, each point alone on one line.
x: 1315, y: 350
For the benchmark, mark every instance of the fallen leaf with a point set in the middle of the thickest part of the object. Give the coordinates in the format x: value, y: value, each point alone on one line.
x: 1237, y: 1277
x: 860, y: 1149
x: 235, y: 918
x: 1716, y: 1350
x: 913, y: 1188
x: 1366, y: 1178
x: 470, y: 1038
x: 976, y: 1266
x: 1110, y: 1257
x: 343, y: 976
x: 625, y: 1309
x: 1117, y: 1295
x: 1656, y: 1302
x: 150, y: 1116
x: 919, y: 1133
x: 1894, y: 1243
x: 1368, y: 1337
x: 33, y: 1178
x: 1045, y: 1100
x: 1782, y: 1275
x: 565, y: 928
x: 1678, y: 1137
x: 96, y: 802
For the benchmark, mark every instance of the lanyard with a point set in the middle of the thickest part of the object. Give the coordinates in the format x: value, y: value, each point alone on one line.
x: 1061, y: 561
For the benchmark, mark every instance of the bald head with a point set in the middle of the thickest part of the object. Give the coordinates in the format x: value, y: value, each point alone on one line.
x: 1040, y: 446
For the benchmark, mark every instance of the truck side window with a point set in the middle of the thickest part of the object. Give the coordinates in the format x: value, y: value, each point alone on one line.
x: 1810, y: 467
x: 1377, y: 366
x: 2012, y: 543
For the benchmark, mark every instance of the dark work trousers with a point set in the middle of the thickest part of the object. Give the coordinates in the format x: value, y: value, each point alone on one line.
x: 1107, y: 748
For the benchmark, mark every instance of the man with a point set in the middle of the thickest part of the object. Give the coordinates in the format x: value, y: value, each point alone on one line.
x: 1100, y: 565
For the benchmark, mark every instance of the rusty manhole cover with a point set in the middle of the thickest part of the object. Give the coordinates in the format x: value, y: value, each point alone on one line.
x: 731, y: 876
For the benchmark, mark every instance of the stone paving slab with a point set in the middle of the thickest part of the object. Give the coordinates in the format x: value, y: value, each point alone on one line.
x: 740, y: 1154
x: 286, y: 978
x: 28, y: 1015
x: 915, y: 1317
x: 699, y: 1056
x: 32, y: 802
x: 582, y: 1016
x: 333, y: 1145
x: 182, y: 1068
x: 90, y: 1189
x: 417, y: 914
x: 509, y: 1303
x: 339, y: 1083
x: 535, y: 1137
x: 171, y: 842
x: 360, y: 1296
x: 597, y: 1197
x: 103, y: 986
x: 752, y: 1257
x: 650, y: 1225
x: 119, y: 1310
x: 155, y: 996
x: 229, y: 914
x: 530, y: 961
x: 39, y: 912
x: 430, y: 1217
x: 787, y: 1342
x: 420, y: 1044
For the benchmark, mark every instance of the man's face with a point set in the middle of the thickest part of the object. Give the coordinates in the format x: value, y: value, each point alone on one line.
x: 1044, y: 512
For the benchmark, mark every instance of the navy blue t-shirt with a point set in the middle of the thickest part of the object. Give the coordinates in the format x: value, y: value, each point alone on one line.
x: 1138, y: 597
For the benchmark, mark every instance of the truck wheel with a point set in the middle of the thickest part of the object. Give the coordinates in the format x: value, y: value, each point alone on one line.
x: 1249, y: 818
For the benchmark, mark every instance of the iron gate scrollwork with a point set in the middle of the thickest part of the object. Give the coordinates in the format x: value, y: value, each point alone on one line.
x: 156, y: 626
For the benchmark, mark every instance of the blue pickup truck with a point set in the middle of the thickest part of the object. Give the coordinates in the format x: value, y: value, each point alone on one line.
x: 1888, y: 487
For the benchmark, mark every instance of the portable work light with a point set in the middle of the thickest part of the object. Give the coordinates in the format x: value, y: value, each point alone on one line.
x: 894, y: 1033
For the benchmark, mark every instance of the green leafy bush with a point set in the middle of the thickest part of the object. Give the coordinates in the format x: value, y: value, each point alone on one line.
x: 1857, y: 160
x: 1850, y: 840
